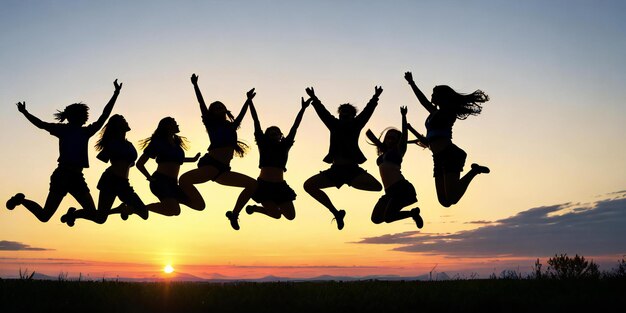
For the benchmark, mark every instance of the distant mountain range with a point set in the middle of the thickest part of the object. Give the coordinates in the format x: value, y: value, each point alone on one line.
x: 218, y: 278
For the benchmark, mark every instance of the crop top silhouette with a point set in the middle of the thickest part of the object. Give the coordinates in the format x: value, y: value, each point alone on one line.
x: 391, y: 156
x: 273, y: 154
x: 221, y: 133
x: 118, y: 150
x: 439, y: 124
x: 162, y: 152
x: 73, y: 140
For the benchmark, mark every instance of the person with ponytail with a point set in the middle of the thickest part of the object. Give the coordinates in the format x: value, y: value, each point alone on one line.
x: 167, y: 148
x: 222, y: 127
x: 444, y: 108
x: 73, y: 156
x: 113, y: 183
x: 399, y: 192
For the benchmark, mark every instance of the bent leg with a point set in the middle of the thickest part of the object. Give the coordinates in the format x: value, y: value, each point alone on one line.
x: 365, y: 181
x: 235, y: 179
x: 52, y: 204
x: 268, y: 208
x: 288, y: 210
x: 191, y: 178
x: 167, y: 207
x: 314, y: 185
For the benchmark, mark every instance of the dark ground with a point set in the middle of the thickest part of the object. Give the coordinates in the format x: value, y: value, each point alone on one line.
x: 498, y: 295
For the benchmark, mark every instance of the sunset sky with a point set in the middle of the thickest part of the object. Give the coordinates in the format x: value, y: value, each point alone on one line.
x: 552, y: 134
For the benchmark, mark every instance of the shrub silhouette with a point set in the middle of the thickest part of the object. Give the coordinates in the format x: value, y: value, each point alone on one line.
x: 564, y: 267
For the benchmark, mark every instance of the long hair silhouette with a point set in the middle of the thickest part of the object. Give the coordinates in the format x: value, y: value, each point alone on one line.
x: 444, y: 108
x: 113, y: 183
x: 221, y: 127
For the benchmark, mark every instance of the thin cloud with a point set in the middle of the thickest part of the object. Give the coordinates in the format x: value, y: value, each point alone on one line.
x: 6, y: 245
x: 590, y: 229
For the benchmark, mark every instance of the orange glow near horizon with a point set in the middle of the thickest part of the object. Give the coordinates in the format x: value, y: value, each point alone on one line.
x: 168, y: 269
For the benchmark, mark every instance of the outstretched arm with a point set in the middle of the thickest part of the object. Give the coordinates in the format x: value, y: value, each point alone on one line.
x: 249, y: 96
x: 255, y: 118
x: 321, y: 111
x: 21, y: 106
x: 421, y: 139
x: 404, y: 137
x: 292, y: 132
x: 108, y: 108
x: 194, y: 159
x: 203, y: 108
x: 367, y: 112
x: 418, y: 93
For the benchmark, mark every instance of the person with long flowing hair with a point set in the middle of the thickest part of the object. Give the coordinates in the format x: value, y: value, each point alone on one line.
x: 344, y: 154
x: 273, y: 192
x: 399, y: 192
x: 114, y: 148
x: 73, y: 156
x: 222, y: 127
x: 167, y: 148
x: 444, y: 108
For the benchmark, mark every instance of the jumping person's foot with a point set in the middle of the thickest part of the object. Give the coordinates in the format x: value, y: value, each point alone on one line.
x: 15, y: 201
x: 415, y: 215
x: 339, y: 218
x: 251, y: 209
x: 69, y: 218
x: 234, y: 223
x: 480, y: 169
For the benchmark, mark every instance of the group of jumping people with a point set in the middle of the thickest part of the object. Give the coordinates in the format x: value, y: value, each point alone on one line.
x: 274, y: 197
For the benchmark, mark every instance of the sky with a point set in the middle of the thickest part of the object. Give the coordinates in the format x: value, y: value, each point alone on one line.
x: 552, y: 133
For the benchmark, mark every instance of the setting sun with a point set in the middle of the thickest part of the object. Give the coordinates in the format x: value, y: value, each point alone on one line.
x: 168, y: 269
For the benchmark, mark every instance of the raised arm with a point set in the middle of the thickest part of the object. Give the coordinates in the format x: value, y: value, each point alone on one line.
x: 255, y: 118
x: 108, y: 108
x: 367, y: 112
x: 249, y: 96
x: 21, y: 107
x: 292, y: 132
x: 321, y: 111
x: 203, y: 108
x: 404, y: 137
x: 418, y: 93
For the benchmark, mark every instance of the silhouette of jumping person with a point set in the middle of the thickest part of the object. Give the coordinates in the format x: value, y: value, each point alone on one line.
x: 399, y: 192
x: 222, y: 127
x: 344, y: 153
x: 272, y: 192
x: 445, y: 107
x: 73, y: 156
x: 114, y: 183
x: 168, y: 150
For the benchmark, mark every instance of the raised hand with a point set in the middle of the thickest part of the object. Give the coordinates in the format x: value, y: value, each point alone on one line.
x: 194, y: 79
x: 403, y: 110
x: 408, y: 76
x: 196, y: 157
x: 250, y: 94
x: 311, y: 92
x: 117, y: 86
x: 306, y: 103
x: 21, y: 106
x: 377, y: 91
